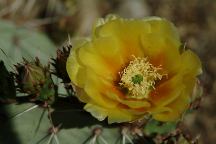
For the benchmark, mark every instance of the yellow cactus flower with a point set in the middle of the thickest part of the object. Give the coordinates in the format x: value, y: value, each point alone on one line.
x: 133, y: 67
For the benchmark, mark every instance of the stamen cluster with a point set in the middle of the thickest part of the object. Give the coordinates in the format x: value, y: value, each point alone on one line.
x: 139, y: 77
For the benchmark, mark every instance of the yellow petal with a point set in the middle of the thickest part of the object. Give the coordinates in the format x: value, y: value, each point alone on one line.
x: 94, y: 87
x: 128, y: 33
x: 74, y: 69
x: 89, y: 58
x: 101, y: 21
x: 191, y: 67
x: 109, y: 49
x: 96, y: 111
x: 191, y: 64
x: 89, y: 83
x: 82, y: 95
x: 115, y: 115
x: 118, y: 115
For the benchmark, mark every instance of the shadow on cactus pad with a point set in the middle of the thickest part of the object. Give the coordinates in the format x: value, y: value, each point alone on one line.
x: 7, y: 86
x: 70, y: 113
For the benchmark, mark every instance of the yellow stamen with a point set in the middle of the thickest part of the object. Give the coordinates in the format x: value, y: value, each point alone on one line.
x: 139, y: 77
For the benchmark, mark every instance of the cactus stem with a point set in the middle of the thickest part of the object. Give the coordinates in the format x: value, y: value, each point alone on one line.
x: 27, y: 110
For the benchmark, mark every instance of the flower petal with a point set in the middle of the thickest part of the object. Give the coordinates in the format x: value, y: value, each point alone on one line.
x: 119, y: 115
x: 95, y: 87
x: 109, y: 49
x: 131, y: 103
x: 167, y: 92
x: 97, y: 111
x: 74, y: 69
x: 191, y: 64
x: 177, y: 108
x: 94, y: 69
x: 127, y: 32
x: 89, y: 58
x: 161, y: 46
x: 155, y: 38
x: 114, y: 115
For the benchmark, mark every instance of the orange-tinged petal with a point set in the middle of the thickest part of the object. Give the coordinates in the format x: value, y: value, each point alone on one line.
x: 115, y: 94
x: 167, y: 92
x: 132, y: 103
x: 177, y: 108
x: 162, y: 51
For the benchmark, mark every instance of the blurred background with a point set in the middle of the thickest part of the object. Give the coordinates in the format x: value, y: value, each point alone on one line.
x: 30, y: 28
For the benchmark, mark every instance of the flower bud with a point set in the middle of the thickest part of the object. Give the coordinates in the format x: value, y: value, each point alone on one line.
x: 29, y: 77
x: 34, y: 79
x: 59, y: 63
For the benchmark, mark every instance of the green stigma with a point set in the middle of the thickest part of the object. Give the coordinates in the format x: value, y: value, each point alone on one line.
x: 137, y: 79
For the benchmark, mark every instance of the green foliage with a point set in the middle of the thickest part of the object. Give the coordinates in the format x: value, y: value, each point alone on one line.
x: 156, y: 127
x: 47, y: 91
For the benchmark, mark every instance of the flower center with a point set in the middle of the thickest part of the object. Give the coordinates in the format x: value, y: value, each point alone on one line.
x: 139, y: 77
